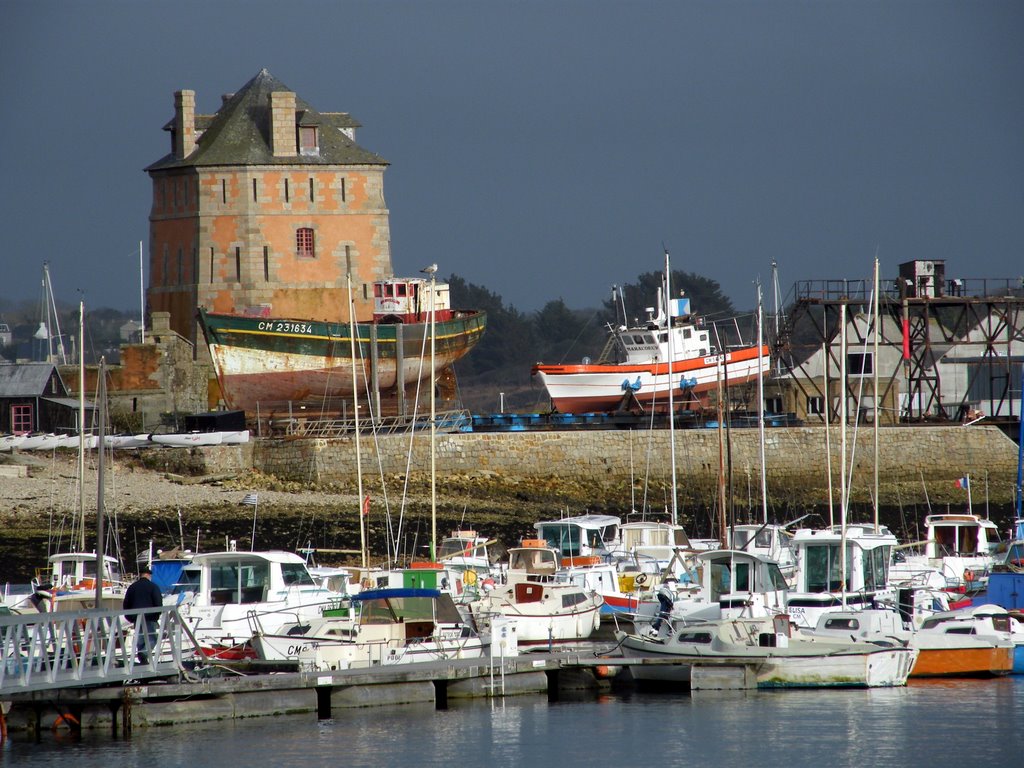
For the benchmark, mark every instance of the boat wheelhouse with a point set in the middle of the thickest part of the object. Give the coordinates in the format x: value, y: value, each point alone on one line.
x: 582, y: 535
x: 242, y: 593
x: 838, y: 570
x: 730, y: 584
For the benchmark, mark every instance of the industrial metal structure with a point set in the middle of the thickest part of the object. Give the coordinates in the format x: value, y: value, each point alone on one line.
x: 948, y: 349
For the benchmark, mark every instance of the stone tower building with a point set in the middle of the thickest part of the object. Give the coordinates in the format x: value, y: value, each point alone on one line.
x: 264, y: 208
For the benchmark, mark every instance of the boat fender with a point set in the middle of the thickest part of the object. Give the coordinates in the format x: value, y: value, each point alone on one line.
x: 968, y: 575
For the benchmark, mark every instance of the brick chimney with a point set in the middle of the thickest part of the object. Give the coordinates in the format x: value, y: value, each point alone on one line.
x: 184, y: 123
x: 282, y: 124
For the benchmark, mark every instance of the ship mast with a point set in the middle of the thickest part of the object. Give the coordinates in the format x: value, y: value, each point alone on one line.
x: 355, y: 423
x: 671, y: 404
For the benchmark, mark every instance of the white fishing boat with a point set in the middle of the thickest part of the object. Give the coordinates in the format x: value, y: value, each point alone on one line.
x: 70, y: 583
x: 976, y: 642
x: 728, y: 584
x: 961, y: 547
x: 545, y: 611
x: 769, y: 540
x: 240, y: 594
x: 582, y: 535
x: 377, y: 628
x: 839, y: 569
x: 769, y: 649
x: 466, y: 550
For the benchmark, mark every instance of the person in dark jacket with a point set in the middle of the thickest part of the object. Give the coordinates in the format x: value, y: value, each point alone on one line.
x: 143, y: 593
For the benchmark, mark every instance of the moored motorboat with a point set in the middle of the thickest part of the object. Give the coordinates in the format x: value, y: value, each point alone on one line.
x: 728, y: 584
x: 545, y: 611
x: 377, y: 627
x: 769, y: 649
x: 234, y: 595
x: 976, y: 642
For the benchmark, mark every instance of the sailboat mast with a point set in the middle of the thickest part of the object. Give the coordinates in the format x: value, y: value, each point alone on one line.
x: 355, y: 423
x: 433, y: 418
x: 842, y: 473
x: 81, y: 425
x: 828, y: 433
x: 722, y: 534
x: 1020, y: 448
x: 874, y: 391
x: 671, y: 404
x: 760, y: 405
x: 101, y: 396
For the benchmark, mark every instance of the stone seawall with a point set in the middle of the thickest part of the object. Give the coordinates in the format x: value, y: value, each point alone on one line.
x: 928, y: 458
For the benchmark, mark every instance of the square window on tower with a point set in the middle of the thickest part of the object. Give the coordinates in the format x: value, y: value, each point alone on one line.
x: 305, y: 245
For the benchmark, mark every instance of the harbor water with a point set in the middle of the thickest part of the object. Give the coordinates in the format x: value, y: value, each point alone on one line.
x: 961, y: 723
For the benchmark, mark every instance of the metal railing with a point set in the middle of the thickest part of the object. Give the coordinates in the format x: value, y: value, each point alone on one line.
x: 445, y: 421
x: 63, y: 649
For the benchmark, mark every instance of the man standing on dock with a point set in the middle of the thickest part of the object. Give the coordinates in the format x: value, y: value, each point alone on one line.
x: 143, y: 593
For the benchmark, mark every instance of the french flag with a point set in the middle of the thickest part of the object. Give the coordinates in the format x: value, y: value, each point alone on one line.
x: 963, y: 482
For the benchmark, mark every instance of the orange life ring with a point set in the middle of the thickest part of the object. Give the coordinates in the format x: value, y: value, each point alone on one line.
x: 69, y: 721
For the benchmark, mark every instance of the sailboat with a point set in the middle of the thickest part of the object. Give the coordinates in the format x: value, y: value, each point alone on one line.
x: 80, y: 580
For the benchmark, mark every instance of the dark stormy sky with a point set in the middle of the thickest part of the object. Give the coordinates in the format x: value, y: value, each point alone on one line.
x: 547, y: 149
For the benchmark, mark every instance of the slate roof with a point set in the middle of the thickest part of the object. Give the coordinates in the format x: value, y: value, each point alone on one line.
x: 28, y: 380
x: 239, y: 133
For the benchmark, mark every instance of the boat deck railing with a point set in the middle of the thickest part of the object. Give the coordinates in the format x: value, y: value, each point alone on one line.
x: 68, y: 649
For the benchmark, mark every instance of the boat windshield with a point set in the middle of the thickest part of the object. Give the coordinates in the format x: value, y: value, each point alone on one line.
x: 187, y: 582
x: 777, y: 579
x: 453, y: 547
x: 823, y: 564
x: 876, y: 566
x: 296, y: 575
x: 242, y: 581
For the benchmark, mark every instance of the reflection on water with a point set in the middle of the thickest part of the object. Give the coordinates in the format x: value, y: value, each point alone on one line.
x: 956, y: 723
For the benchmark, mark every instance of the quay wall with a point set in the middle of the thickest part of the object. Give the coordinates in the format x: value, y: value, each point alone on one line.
x: 795, y: 458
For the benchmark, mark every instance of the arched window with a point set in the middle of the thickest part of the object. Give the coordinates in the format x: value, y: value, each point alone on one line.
x: 304, y: 243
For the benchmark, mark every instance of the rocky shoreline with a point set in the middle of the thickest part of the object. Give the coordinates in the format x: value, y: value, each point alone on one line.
x: 170, y: 498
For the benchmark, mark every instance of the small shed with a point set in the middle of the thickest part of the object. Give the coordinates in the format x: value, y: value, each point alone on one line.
x: 33, y: 398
